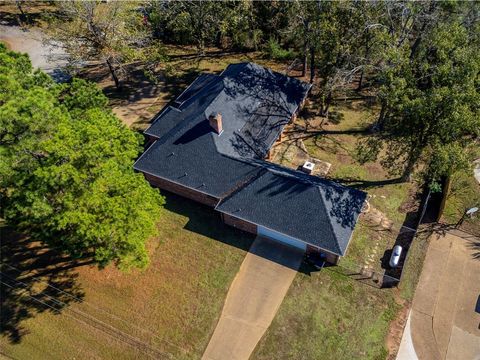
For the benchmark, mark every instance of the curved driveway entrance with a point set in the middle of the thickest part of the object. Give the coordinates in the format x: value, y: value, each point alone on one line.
x: 445, y: 317
x: 253, y: 299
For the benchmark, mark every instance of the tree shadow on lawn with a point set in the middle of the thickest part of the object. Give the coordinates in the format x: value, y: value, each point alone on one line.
x: 29, y: 18
x: 33, y: 279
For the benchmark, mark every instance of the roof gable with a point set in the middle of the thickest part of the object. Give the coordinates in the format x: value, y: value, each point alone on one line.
x: 320, y: 213
x: 255, y: 104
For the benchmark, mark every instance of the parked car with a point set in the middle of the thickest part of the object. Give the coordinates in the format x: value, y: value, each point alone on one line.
x: 395, y: 258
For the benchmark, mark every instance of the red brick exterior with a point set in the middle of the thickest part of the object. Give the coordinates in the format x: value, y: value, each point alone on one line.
x: 182, y: 190
x: 331, y: 258
x: 239, y: 224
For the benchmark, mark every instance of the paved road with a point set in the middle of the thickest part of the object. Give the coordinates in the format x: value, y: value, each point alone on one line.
x: 30, y: 41
x: 445, y: 317
x: 253, y: 299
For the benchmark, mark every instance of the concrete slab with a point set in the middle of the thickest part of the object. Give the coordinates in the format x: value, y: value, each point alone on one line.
x: 427, y: 288
x: 423, y: 338
x: 445, y: 323
x: 253, y: 299
x: 464, y: 346
x: 31, y: 41
x: 445, y: 302
x: 406, y: 350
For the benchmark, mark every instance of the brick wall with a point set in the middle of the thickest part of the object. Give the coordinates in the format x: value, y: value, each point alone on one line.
x: 331, y: 258
x: 182, y: 190
x: 239, y: 224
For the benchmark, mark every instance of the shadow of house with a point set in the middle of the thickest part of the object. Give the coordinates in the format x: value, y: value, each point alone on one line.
x: 33, y: 279
x: 204, y: 220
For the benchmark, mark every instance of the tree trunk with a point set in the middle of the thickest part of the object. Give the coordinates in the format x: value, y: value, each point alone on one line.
x: 407, y: 172
x: 22, y: 18
x: 326, y: 104
x: 114, y: 74
x: 359, y: 87
x: 446, y: 192
x: 305, y: 47
x: 312, y: 64
x: 367, y: 55
x: 305, y: 60
x: 381, y: 118
x: 219, y: 40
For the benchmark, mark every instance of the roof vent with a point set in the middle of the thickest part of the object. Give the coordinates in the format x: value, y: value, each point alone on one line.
x: 215, y: 121
x: 308, y: 167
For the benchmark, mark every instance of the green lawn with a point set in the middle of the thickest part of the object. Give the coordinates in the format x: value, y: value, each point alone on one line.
x: 173, y: 306
x: 337, y: 145
x: 329, y: 316
x: 414, y: 263
x: 464, y: 194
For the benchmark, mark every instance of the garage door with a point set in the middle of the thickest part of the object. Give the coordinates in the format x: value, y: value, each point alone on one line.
x: 281, y: 238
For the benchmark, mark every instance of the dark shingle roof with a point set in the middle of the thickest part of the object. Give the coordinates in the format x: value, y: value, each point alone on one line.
x: 255, y: 104
x: 251, y: 123
x: 315, y: 211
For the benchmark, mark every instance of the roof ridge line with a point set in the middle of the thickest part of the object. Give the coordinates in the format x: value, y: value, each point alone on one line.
x: 242, y: 186
x: 340, y: 252
x: 206, y: 86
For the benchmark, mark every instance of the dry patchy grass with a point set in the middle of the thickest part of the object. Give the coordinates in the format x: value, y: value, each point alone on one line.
x: 172, y: 306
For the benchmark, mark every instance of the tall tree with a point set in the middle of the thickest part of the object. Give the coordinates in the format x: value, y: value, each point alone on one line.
x: 191, y: 22
x: 111, y: 33
x: 432, y: 99
x: 66, y: 175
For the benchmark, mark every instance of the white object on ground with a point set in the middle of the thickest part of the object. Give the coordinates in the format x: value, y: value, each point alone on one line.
x: 476, y: 170
x: 406, y: 350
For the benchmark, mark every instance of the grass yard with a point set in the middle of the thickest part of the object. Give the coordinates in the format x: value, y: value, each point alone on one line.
x: 334, y: 141
x: 172, y: 306
x: 464, y: 194
x: 329, y: 316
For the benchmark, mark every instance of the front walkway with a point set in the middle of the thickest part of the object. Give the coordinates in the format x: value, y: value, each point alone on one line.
x: 253, y: 299
x: 445, y: 315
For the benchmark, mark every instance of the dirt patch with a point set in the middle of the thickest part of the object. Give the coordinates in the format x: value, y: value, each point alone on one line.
x: 7, y: 44
x: 377, y: 219
x: 395, y: 332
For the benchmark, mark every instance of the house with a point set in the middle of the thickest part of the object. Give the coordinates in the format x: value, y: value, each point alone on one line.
x: 213, y: 143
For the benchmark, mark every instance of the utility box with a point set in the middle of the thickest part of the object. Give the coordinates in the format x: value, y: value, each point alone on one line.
x: 308, y: 167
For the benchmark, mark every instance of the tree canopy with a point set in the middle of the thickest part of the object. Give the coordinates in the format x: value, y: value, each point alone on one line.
x: 114, y: 34
x: 428, y: 87
x: 66, y: 175
x: 417, y: 60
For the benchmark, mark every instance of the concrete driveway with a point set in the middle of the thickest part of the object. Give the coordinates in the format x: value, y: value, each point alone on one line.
x: 253, y: 299
x: 445, y: 317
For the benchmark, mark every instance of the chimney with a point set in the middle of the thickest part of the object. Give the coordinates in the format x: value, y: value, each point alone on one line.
x: 215, y: 121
